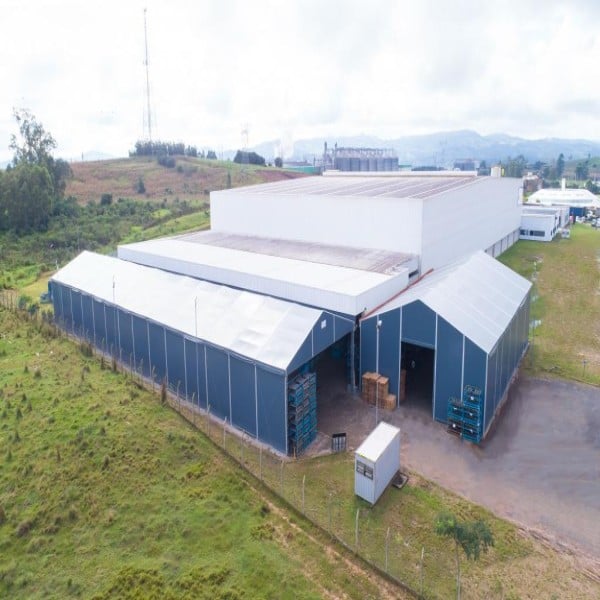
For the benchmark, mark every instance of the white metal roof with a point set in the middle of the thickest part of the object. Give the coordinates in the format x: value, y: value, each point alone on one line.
x: 377, y: 441
x: 261, y: 328
x: 398, y: 184
x: 478, y: 296
x: 332, y: 287
x: 570, y: 197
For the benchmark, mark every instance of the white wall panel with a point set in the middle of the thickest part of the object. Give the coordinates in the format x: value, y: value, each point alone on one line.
x: 358, y: 221
x: 464, y: 220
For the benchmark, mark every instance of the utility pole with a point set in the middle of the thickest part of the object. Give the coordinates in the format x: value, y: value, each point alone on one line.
x: 149, y: 116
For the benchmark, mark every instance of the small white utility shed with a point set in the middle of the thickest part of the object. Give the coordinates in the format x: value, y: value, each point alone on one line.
x: 376, y: 461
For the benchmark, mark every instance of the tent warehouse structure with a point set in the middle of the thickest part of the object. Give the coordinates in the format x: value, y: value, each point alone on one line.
x: 274, y: 312
x: 463, y: 325
x: 224, y: 349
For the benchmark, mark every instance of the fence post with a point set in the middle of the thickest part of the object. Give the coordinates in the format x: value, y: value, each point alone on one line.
x: 303, y: 484
x: 356, y: 528
x: 152, y: 376
x: 421, y: 569
x: 329, y: 507
x: 387, y: 548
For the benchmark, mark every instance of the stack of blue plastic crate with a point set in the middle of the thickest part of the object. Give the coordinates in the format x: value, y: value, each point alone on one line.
x: 302, y: 411
x: 465, y: 415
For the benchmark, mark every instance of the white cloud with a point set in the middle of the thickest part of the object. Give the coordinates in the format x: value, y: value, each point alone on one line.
x: 304, y: 68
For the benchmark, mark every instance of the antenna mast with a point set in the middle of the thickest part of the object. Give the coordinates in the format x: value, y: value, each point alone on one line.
x: 147, y: 79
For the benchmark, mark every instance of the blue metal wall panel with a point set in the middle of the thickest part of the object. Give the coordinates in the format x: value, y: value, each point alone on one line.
x: 202, y: 373
x: 389, y: 348
x: 57, y: 302
x: 140, y: 344
x: 475, y: 364
x: 272, y: 412
x: 126, y: 337
x: 474, y: 371
x: 191, y: 370
x: 303, y: 355
x: 243, y: 398
x: 88, y: 317
x: 99, y: 325
x: 175, y: 361
x: 157, y: 351
x: 112, y: 333
x: 218, y: 382
x: 490, y: 393
x: 77, y: 316
x: 368, y: 337
x: 418, y: 324
x: 323, y: 333
x: 448, y: 367
x: 342, y: 327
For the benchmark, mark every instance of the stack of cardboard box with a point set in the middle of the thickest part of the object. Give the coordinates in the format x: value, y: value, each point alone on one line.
x: 376, y: 388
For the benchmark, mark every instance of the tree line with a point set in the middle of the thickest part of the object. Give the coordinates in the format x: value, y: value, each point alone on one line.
x: 34, y: 182
x: 160, y: 149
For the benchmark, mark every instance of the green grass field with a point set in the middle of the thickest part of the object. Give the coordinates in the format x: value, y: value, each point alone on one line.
x: 105, y: 493
x: 566, y: 299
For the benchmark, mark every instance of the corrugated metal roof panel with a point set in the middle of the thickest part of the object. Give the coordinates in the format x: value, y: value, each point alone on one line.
x: 261, y: 328
x: 478, y: 296
x: 394, y: 185
x: 341, y: 289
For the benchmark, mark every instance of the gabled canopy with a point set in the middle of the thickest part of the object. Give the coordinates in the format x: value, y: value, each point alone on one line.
x: 478, y: 296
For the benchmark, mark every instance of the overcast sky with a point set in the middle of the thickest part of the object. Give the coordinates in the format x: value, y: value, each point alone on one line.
x: 297, y: 69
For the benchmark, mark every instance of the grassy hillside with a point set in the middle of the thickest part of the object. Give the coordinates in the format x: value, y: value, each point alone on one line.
x: 566, y: 301
x: 190, y: 179
x: 105, y: 493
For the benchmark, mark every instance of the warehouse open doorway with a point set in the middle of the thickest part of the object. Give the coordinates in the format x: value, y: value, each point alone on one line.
x: 418, y: 364
x: 332, y: 367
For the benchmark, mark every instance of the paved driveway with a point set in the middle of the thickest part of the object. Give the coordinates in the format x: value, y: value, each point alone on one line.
x: 540, y: 466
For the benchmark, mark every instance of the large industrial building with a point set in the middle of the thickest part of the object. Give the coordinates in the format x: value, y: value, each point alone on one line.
x: 375, y: 270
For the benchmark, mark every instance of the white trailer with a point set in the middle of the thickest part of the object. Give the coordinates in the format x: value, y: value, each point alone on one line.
x: 376, y: 461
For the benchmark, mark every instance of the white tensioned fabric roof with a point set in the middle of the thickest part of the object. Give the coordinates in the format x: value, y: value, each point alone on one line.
x: 478, y: 296
x: 571, y: 197
x: 261, y: 328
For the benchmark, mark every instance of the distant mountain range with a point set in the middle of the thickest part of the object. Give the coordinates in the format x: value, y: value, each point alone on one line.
x: 442, y: 149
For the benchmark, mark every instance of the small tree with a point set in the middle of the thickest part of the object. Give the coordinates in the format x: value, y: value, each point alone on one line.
x: 141, y: 188
x: 471, y: 536
x: 278, y: 162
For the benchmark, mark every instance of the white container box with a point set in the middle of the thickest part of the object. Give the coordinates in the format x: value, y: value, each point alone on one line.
x: 376, y: 461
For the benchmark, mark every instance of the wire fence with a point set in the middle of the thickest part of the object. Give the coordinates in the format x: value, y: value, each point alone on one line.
x: 327, y: 502
x: 332, y: 506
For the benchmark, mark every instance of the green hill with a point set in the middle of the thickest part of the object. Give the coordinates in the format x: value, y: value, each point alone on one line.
x: 190, y: 179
